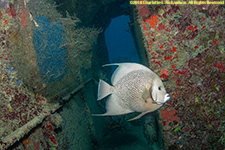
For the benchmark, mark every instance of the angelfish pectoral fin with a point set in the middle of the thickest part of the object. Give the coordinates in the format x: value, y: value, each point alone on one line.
x: 139, y: 116
x: 145, y: 94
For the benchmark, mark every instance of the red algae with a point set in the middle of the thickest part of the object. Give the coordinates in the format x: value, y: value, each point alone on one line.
x: 169, y: 115
x: 11, y: 11
x: 161, y: 26
x: 220, y: 66
x: 195, y: 65
x: 191, y: 28
x: 143, y: 10
x: 1, y: 15
x: 164, y: 74
x: 152, y: 21
x: 23, y: 17
x: 214, y: 42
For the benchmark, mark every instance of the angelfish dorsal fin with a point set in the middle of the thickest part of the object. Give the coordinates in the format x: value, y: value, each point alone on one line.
x: 124, y: 69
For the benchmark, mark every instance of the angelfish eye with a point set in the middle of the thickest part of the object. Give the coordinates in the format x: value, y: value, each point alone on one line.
x: 159, y: 88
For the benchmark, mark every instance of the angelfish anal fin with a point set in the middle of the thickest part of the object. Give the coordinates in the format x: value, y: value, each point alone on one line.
x: 139, y: 116
x: 145, y: 94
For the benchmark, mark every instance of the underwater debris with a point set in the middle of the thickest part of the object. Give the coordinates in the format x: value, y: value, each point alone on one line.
x: 26, y: 99
x: 45, y: 135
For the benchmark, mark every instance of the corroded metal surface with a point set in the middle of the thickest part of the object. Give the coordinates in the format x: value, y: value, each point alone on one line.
x: 185, y: 47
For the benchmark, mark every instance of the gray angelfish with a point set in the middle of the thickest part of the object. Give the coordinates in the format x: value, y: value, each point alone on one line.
x: 135, y: 88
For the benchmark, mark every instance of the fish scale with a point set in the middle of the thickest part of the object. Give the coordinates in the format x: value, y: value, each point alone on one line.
x: 130, y: 92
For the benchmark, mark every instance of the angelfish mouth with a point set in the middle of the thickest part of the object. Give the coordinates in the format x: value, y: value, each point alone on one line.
x: 166, y: 98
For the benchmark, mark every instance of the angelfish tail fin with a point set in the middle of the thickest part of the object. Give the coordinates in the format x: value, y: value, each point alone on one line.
x: 104, y: 89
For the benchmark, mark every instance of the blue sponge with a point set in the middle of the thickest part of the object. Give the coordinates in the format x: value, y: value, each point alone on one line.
x: 51, y: 56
